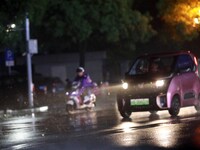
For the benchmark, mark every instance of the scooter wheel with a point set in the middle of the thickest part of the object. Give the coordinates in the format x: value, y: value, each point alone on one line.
x: 91, y: 108
x: 69, y: 109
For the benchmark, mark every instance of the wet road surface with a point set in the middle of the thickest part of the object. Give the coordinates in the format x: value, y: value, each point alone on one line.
x: 100, y: 129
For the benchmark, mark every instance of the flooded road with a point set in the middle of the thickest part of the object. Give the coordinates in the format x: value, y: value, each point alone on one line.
x: 99, y: 129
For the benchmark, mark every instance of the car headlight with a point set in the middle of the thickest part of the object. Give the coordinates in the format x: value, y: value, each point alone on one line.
x: 125, y: 85
x: 160, y: 83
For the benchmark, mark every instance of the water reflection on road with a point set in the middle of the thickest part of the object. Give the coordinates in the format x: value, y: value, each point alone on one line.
x: 83, y: 121
x: 159, y: 130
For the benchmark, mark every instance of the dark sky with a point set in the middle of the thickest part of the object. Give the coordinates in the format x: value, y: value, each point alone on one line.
x: 147, y: 6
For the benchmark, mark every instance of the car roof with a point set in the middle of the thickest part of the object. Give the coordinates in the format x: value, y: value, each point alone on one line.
x: 162, y: 54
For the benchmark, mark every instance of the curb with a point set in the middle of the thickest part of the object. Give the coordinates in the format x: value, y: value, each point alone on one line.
x: 28, y: 110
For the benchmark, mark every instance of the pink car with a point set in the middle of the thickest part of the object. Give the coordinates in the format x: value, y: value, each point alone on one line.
x: 164, y: 81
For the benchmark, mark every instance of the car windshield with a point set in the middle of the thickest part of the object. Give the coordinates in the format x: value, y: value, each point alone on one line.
x: 144, y: 65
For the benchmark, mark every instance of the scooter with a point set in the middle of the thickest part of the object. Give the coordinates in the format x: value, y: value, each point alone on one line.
x: 76, y: 101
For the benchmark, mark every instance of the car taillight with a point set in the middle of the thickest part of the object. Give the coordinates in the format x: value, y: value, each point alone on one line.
x: 196, y: 64
x: 195, y: 61
x: 45, y: 89
x: 33, y: 87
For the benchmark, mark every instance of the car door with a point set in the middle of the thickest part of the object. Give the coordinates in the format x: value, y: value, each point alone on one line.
x: 187, y: 78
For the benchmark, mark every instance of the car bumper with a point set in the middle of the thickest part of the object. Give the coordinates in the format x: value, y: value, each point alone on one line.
x: 156, y: 101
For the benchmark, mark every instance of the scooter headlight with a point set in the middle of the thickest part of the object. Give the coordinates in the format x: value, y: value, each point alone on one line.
x: 160, y: 83
x: 125, y: 85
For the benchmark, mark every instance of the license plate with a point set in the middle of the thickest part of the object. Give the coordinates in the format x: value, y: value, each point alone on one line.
x: 139, y: 102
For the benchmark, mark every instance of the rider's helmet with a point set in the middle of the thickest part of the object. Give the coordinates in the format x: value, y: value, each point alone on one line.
x: 80, y: 69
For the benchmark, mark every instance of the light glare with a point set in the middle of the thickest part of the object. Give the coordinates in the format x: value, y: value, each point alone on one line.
x: 160, y: 83
x: 13, y: 26
x: 125, y: 85
x: 43, y: 109
x: 196, y: 21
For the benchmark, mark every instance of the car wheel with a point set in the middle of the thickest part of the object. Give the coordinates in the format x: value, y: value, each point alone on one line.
x: 175, y: 106
x: 197, y: 107
x: 122, y: 109
x: 153, y: 112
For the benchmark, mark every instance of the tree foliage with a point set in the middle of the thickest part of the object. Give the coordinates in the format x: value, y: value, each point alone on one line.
x: 10, y: 12
x: 66, y: 25
x: 180, y: 17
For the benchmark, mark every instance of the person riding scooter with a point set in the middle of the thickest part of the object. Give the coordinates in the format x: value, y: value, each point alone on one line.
x: 85, y: 83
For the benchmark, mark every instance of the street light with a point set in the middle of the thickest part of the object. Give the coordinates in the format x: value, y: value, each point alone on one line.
x: 196, y: 20
x: 13, y: 25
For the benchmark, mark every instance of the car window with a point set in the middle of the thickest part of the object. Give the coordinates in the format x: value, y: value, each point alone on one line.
x: 185, y: 63
x: 163, y: 64
x: 153, y: 65
x: 139, y: 67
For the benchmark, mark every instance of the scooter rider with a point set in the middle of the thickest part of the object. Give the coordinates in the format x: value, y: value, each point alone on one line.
x: 85, y: 83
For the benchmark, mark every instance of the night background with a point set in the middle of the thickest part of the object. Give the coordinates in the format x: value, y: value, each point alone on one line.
x: 122, y: 28
x: 41, y: 107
